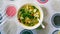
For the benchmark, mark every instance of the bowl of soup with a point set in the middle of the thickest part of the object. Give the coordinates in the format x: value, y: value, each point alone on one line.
x: 30, y: 16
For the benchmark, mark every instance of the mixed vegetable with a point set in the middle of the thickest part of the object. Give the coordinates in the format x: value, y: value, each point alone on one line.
x: 29, y: 15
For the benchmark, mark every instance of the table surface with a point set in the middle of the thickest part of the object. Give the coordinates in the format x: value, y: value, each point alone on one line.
x: 15, y: 28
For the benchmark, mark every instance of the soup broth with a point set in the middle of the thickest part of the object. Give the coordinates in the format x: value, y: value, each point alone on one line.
x: 29, y: 15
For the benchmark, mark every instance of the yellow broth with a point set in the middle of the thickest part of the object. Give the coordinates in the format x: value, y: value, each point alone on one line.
x: 28, y: 15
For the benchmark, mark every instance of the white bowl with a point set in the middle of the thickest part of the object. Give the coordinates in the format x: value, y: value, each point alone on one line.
x: 40, y: 21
